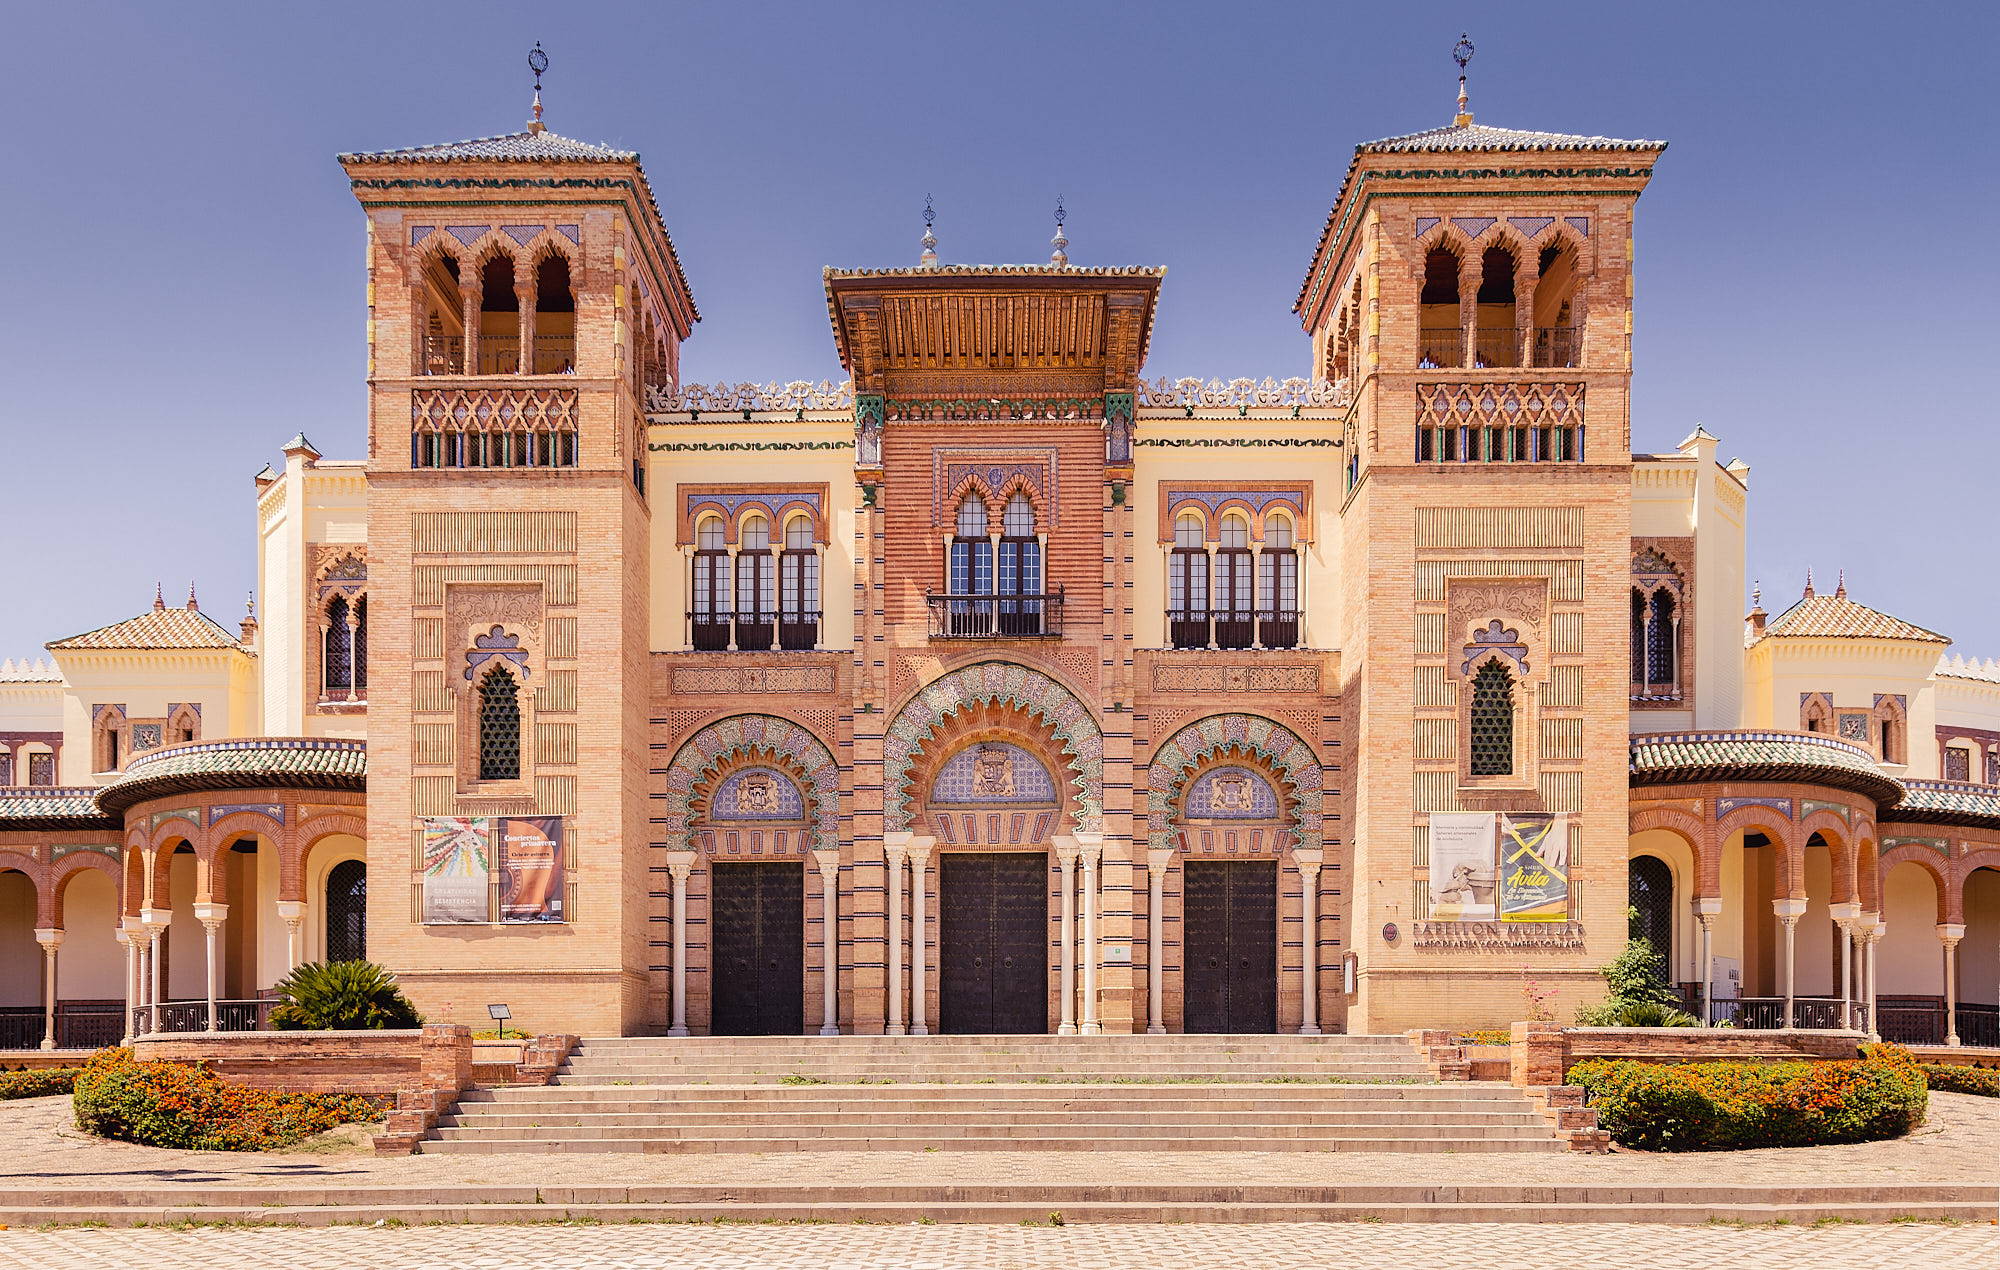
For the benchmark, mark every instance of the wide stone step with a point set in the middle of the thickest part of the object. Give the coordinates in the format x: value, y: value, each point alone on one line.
x: 994, y: 1094
x: 761, y: 1118
x: 484, y: 1145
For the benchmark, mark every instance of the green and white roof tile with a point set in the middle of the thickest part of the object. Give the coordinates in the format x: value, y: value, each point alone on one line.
x: 53, y: 807
x: 289, y: 762
x: 1671, y: 758
x: 1947, y: 803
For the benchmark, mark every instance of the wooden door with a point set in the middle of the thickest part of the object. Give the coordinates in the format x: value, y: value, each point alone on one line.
x: 993, y: 942
x: 757, y: 949
x: 1229, y: 934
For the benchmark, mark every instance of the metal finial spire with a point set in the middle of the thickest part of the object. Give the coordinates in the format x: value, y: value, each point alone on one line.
x: 1809, y: 586
x: 929, y: 258
x: 1060, y: 256
x: 192, y: 606
x: 538, y: 62
x: 1840, y: 590
x: 1756, y: 595
x: 1462, y: 54
x: 159, y: 596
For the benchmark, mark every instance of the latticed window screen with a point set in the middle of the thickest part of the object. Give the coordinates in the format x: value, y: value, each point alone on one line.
x: 1660, y: 642
x: 347, y: 911
x: 1651, y: 894
x: 1492, y: 747
x: 361, y: 645
x: 499, y: 727
x: 339, y: 669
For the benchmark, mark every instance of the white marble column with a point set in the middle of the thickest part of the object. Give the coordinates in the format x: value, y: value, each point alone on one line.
x: 1843, y: 919
x: 1091, y: 847
x: 1788, y: 912
x: 1706, y: 909
x: 157, y: 920
x: 680, y: 864
x: 1948, y: 934
x: 293, y: 914
x: 1066, y: 852
x: 211, y: 917
x: 895, y: 849
x: 1309, y: 862
x: 1876, y: 928
x: 1158, y: 861
x: 829, y: 920
x: 125, y: 936
x: 920, y: 858
x: 50, y: 938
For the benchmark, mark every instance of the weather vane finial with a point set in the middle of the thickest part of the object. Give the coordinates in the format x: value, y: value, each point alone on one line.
x: 929, y: 258
x: 1060, y: 256
x: 1462, y: 54
x: 538, y: 62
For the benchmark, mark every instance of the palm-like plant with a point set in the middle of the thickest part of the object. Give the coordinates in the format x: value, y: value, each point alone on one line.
x: 341, y: 996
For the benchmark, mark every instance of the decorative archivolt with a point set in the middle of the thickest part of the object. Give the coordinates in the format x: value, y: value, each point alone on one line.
x: 1269, y: 394
x: 751, y: 739
x: 799, y: 394
x: 1247, y: 739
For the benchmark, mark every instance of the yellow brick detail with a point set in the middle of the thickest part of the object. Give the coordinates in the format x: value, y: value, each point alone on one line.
x: 499, y: 532
x: 1444, y: 527
x: 558, y: 695
x: 1432, y: 689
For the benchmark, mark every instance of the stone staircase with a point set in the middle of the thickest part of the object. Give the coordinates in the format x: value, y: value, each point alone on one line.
x: 1016, y: 1093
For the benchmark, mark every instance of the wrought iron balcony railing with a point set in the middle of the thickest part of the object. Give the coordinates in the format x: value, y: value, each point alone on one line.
x: 751, y: 632
x: 1233, y: 628
x: 1558, y: 346
x: 995, y: 616
x: 1439, y: 347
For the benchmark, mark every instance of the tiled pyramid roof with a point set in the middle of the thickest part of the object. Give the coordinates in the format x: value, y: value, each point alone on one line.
x: 52, y: 807
x: 162, y: 628
x: 285, y: 762
x: 1479, y: 136
x: 1836, y: 616
x: 515, y: 147
x: 1669, y: 758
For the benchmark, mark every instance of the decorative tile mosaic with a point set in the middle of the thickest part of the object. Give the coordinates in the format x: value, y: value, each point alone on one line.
x: 178, y: 813
x: 1531, y: 225
x: 1174, y: 762
x: 757, y: 793
x: 1231, y: 793
x: 420, y: 232
x: 1425, y: 224
x: 467, y: 234
x: 146, y: 736
x: 995, y: 467
x: 1581, y: 224
x: 775, y: 503
x: 1807, y: 806
x: 1011, y: 684
x: 275, y: 811
x: 1940, y: 845
x: 756, y: 735
x: 112, y: 849
x: 1724, y: 806
x: 1472, y: 226
x: 496, y: 643
x: 1854, y: 727
x: 521, y: 234
x: 571, y: 232
x: 992, y: 772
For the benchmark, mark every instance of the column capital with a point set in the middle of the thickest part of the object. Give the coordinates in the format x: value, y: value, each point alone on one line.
x: 1309, y: 858
x: 828, y: 861
x: 51, y: 937
x: 209, y: 913
x: 1843, y: 915
x: 1091, y: 845
x: 1789, y: 909
x: 291, y: 912
x: 920, y: 848
x: 1066, y: 848
x: 1948, y: 932
x: 1707, y: 905
x: 156, y: 919
x: 680, y: 864
x: 1159, y: 860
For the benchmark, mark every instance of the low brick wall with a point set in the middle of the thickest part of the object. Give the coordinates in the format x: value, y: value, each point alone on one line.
x: 1699, y: 1044
x: 41, y: 1060
x: 1943, y: 1055
x: 374, y: 1062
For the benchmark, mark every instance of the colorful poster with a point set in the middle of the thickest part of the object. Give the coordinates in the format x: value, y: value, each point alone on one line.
x: 1534, y: 867
x: 458, y: 861
x: 1462, y: 876
x: 531, y: 869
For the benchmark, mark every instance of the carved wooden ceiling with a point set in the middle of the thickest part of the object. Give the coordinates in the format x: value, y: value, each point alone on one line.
x: 984, y: 331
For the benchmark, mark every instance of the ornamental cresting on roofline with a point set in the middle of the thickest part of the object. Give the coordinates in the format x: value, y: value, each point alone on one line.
x: 1161, y: 393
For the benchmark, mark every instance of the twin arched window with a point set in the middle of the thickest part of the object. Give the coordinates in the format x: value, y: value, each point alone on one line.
x: 344, y: 650
x: 755, y: 596
x: 1009, y: 571
x: 1256, y: 594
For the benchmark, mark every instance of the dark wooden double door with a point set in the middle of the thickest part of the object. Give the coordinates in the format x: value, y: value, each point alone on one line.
x: 1229, y: 946
x: 757, y: 949
x: 993, y: 942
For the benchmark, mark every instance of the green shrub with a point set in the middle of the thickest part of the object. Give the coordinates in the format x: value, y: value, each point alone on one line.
x: 36, y: 1084
x: 1983, y: 1081
x: 1733, y: 1106
x: 186, y: 1105
x: 341, y: 996
x: 1639, y: 991
x: 1614, y: 1012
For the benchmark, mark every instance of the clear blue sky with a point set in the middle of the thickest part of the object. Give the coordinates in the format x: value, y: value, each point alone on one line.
x: 184, y: 286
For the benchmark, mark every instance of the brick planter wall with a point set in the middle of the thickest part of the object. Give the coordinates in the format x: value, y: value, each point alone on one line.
x: 1697, y: 1044
x: 372, y: 1062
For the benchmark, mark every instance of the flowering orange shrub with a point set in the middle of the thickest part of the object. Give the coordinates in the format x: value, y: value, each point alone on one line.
x: 1735, y: 1106
x: 36, y: 1084
x: 186, y: 1105
x: 1984, y: 1081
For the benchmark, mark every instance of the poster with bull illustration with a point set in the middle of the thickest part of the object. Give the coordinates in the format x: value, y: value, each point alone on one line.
x: 1534, y: 867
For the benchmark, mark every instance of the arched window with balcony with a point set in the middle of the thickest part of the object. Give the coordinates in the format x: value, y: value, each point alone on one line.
x: 756, y: 585
x: 970, y: 573
x: 1499, y: 338
x: 1278, y: 585
x: 1235, y: 595
x: 710, y: 602
x: 1491, y: 726
x: 1558, y: 339
x: 1440, y: 323
x: 555, y: 317
x: 1020, y: 569
x: 443, y: 351
x: 1662, y: 645
x: 499, y: 319
x: 798, y: 587
x: 1187, y: 583
x: 499, y: 726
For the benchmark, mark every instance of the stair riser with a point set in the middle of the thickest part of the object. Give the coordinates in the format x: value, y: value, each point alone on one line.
x: 767, y: 1146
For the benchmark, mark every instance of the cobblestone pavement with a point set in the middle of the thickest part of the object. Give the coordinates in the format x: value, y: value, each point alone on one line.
x: 1271, y: 1247
x: 1960, y: 1143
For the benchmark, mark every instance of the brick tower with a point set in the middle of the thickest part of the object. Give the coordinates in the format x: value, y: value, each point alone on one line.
x: 523, y: 295
x: 1474, y: 285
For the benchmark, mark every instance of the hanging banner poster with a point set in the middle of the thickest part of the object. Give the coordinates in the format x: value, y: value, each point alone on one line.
x: 1534, y: 867
x: 1462, y: 876
x: 531, y: 869
x: 458, y: 863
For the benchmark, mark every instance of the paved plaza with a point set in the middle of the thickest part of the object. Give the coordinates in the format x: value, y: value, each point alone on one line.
x: 1268, y: 1247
